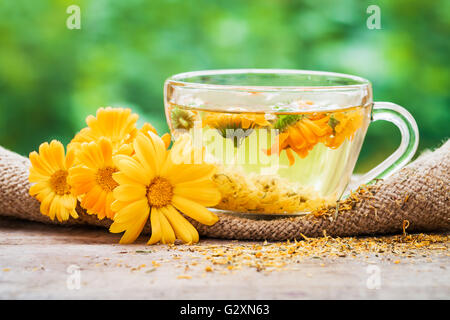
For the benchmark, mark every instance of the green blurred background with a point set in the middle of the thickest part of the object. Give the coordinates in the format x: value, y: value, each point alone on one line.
x: 51, y: 77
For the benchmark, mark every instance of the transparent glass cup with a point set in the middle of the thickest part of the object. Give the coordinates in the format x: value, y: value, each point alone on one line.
x: 285, y: 142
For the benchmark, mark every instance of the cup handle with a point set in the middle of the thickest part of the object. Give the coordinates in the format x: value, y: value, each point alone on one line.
x: 410, y: 139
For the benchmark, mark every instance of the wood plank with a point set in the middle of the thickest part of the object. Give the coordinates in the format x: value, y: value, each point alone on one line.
x: 34, y: 262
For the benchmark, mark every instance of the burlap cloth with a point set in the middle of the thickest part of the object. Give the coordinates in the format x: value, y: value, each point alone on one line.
x: 416, y: 197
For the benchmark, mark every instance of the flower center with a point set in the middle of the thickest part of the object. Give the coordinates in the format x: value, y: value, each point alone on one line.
x: 105, y: 180
x: 58, y: 183
x: 159, y: 192
x: 182, y: 119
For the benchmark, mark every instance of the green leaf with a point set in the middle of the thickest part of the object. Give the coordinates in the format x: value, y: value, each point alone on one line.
x: 333, y: 122
x: 286, y: 120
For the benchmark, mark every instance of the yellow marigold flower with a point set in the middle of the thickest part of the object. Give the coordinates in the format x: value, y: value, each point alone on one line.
x: 48, y: 172
x: 183, y: 119
x: 92, y: 178
x: 223, y: 121
x: 344, y: 125
x: 300, y: 137
x: 159, y: 183
x: 116, y: 124
x: 226, y: 123
x: 148, y: 127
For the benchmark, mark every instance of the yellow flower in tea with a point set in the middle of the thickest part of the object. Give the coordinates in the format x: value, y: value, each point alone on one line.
x: 299, y: 134
x: 160, y: 184
x: 48, y: 173
x: 182, y: 119
x: 116, y: 124
x: 343, y: 126
x: 92, y: 178
x: 223, y: 121
x: 226, y: 123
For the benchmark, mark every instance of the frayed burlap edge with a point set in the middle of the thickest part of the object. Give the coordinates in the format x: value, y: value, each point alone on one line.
x: 417, y: 197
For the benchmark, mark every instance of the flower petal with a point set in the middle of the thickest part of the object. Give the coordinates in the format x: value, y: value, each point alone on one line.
x: 121, y: 179
x: 204, y: 192
x: 106, y: 150
x: 46, y: 157
x: 109, y: 200
x: 38, y: 188
x: 57, y: 152
x: 34, y: 176
x: 146, y: 153
x: 160, y: 149
x: 90, y: 198
x: 99, y: 206
x: 176, y: 221
x: 167, y: 233
x: 128, y: 193
x: 45, y: 204
x: 132, y: 169
x: 132, y: 218
x: 194, y: 210
x: 69, y: 201
x: 70, y: 158
x: 41, y: 167
x: 135, y: 230
x: 118, y: 205
x: 188, y: 173
x: 132, y: 211
x: 156, y: 226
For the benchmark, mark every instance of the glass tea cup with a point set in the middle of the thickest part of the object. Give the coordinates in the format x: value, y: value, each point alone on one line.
x: 285, y: 142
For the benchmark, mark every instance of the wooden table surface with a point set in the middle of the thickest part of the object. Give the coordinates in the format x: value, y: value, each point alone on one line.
x: 47, y: 262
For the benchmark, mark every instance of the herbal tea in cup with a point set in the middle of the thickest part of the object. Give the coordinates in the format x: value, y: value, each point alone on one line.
x: 284, y: 141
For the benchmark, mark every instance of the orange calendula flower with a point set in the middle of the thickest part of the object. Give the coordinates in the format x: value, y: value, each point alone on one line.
x: 235, y: 121
x: 227, y: 123
x: 158, y: 184
x: 182, y: 119
x: 147, y: 127
x: 92, y: 178
x: 299, y: 134
x: 343, y: 126
x: 48, y: 173
x: 116, y: 124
